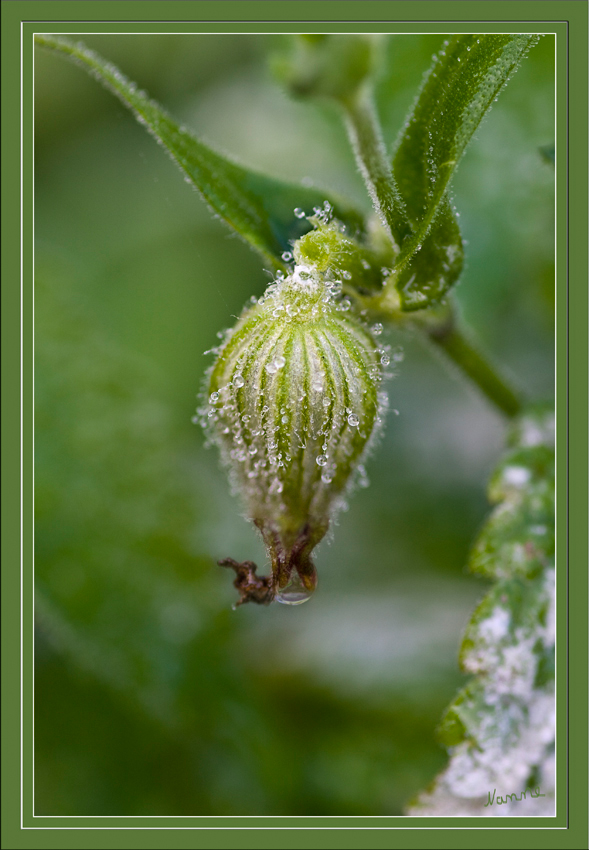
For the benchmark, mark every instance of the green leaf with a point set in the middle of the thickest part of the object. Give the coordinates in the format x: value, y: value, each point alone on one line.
x: 500, y: 727
x: 461, y: 86
x: 258, y: 207
x: 435, y: 266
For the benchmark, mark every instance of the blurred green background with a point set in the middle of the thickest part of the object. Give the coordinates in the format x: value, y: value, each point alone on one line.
x: 152, y: 696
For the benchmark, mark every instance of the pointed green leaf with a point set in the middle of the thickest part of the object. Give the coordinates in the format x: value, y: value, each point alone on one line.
x: 462, y: 84
x: 259, y: 208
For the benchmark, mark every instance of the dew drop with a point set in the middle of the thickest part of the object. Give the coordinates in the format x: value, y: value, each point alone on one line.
x: 327, y: 477
x: 287, y: 256
x: 377, y: 329
x: 276, y: 486
x: 214, y: 398
x: 299, y: 213
x: 385, y: 359
x: 195, y: 420
x: 353, y: 420
x: 363, y: 480
x: 279, y: 361
x: 271, y: 368
x: 295, y: 592
x: 321, y: 460
x: 238, y: 381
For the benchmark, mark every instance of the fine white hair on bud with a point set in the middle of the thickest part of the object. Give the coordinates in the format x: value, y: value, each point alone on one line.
x: 293, y: 402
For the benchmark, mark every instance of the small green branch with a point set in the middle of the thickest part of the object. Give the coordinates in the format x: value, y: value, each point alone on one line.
x: 371, y: 156
x: 457, y: 345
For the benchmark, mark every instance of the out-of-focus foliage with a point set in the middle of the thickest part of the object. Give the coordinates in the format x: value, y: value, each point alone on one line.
x: 152, y: 696
x: 500, y: 728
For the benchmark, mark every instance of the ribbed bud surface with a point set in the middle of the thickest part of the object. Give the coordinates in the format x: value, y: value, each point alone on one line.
x: 293, y: 400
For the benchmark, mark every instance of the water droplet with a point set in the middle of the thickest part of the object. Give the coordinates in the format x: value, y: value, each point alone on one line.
x: 214, y: 398
x: 377, y: 329
x: 238, y: 381
x: 299, y: 212
x: 271, y: 368
x: 353, y: 420
x: 363, y: 480
x: 385, y: 359
x: 317, y: 386
x: 276, y: 486
x: 295, y: 592
x: 279, y: 361
x: 195, y: 420
x: 253, y: 450
x: 327, y: 476
x: 395, y: 411
x: 321, y: 460
x: 287, y: 256
x: 347, y: 275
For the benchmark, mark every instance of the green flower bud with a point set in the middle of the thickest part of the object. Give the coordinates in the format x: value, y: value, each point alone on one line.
x: 293, y: 402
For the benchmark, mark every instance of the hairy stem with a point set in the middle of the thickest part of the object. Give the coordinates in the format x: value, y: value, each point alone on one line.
x: 365, y: 136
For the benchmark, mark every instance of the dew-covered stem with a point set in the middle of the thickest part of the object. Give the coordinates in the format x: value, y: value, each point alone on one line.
x: 366, y: 139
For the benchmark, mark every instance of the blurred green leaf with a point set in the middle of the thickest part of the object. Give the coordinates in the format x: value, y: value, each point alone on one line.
x: 259, y: 208
x: 500, y: 727
x: 462, y: 84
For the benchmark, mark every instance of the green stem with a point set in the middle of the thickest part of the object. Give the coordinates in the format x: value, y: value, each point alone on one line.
x: 368, y: 145
x: 463, y: 352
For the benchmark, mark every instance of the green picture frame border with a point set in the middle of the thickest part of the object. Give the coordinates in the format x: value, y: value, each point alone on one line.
x: 566, y: 18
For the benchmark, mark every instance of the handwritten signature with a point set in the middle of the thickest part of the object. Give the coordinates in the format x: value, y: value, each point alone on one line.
x: 512, y: 797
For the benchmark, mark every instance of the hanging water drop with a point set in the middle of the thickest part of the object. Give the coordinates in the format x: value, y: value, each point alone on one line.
x: 295, y: 592
x: 299, y: 213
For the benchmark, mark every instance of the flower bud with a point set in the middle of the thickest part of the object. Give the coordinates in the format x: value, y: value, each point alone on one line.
x: 292, y: 402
